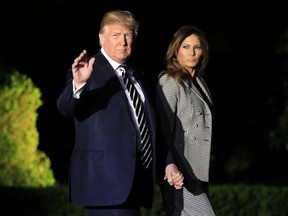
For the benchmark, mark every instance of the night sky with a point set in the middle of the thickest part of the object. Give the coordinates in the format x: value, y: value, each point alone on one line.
x: 245, y: 73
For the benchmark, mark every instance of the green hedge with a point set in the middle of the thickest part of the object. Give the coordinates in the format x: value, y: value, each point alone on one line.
x: 227, y: 200
x: 48, y: 201
x: 252, y: 200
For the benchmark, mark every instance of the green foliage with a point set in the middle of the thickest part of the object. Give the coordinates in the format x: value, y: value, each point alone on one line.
x: 47, y: 201
x: 21, y: 163
x: 252, y: 200
x: 54, y: 202
x: 157, y: 208
x: 278, y: 136
x: 278, y: 139
x: 227, y: 200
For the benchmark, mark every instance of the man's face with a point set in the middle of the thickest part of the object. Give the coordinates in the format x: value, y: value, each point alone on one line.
x: 117, y: 41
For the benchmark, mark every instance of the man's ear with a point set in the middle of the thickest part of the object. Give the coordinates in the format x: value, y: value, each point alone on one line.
x: 101, y: 39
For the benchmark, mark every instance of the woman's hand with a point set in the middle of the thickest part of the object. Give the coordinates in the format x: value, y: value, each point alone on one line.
x: 173, y: 176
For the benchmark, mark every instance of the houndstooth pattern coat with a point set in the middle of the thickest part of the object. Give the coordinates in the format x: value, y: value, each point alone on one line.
x: 185, y: 119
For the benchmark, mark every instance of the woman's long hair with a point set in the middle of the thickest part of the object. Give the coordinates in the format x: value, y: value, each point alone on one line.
x: 174, y: 69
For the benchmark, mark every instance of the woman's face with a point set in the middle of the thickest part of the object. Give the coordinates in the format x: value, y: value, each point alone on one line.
x: 190, y: 53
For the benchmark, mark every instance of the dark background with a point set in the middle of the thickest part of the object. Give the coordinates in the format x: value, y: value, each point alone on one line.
x: 246, y: 73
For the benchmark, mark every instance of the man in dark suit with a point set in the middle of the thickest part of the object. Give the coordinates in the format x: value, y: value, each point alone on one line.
x: 106, y: 174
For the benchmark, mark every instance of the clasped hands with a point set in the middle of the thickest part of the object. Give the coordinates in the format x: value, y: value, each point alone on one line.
x: 173, y: 176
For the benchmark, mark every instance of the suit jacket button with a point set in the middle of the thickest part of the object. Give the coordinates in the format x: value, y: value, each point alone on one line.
x: 193, y: 137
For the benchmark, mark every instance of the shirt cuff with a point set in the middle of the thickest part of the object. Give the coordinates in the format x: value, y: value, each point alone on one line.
x: 77, y: 92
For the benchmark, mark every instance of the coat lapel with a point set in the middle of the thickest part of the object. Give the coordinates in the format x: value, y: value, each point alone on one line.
x: 205, y: 89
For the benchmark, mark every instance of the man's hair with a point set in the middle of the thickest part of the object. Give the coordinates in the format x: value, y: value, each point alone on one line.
x: 120, y: 17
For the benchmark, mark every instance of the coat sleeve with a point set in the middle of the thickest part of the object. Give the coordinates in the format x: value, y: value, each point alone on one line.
x: 166, y: 106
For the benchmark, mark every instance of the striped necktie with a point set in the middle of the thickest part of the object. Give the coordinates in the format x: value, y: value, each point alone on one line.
x: 146, y: 146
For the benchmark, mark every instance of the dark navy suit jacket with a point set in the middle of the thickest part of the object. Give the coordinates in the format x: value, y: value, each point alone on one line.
x: 103, y: 159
